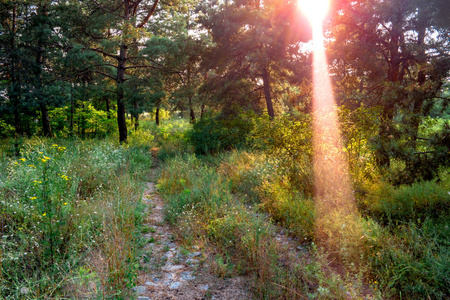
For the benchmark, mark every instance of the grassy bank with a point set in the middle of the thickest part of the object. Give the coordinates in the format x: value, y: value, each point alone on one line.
x: 70, y: 212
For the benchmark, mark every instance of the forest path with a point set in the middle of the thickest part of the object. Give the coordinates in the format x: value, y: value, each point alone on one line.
x: 170, y: 271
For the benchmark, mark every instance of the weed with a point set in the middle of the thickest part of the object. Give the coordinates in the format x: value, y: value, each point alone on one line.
x: 69, y: 213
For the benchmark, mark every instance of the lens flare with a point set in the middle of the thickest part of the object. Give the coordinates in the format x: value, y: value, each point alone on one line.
x: 337, y: 226
x: 314, y: 10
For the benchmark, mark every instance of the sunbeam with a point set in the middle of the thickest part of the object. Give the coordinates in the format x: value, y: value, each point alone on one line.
x: 336, y: 216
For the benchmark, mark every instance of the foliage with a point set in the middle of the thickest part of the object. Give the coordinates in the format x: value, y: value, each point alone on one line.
x: 170, y: 137
x: 211, y: 135
x: 416, y: 159
x: 411, y: 260
x: 359, y: 128
x: 5, y: 129
x: 88, y: 121
x: 66, y: 207
x: 408, y: 203
x: 288, y: 140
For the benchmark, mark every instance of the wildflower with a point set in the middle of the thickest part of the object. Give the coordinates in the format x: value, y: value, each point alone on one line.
x: 45, y: 159
x: 32, y: 166
x: 40, y: 152
x: 22, y: 159
x: 44, y: 214
x: 65, y: 203
x: 33, y: 198
x: 61, y: 148
x: 65, y: 177
x: 54, y: 146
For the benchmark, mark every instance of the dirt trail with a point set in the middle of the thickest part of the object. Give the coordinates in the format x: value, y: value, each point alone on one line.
x: 171, y: 272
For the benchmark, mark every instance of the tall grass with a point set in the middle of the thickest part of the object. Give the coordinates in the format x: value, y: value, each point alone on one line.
x: 69, y: 212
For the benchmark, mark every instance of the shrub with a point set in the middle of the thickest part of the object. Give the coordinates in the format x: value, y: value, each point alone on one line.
x: 211, y: 135
x: 288, y: 141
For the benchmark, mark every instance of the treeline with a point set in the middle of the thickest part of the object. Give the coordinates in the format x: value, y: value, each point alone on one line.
x: 77, y: 67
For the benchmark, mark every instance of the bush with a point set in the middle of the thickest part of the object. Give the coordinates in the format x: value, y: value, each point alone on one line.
x: 288, y: 141
x: 212, y: 135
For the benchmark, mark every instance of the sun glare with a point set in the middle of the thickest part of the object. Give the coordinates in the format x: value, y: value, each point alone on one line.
x: 334, y: 201
x: 315, y: 10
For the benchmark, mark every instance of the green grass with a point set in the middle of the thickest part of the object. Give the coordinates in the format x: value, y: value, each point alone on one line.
x: 70, y: 211
x: 396, y: 246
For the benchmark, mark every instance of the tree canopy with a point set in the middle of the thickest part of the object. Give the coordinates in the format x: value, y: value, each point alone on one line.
x: 62, y: 59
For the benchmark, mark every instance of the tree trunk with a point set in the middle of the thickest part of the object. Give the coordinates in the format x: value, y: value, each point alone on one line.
x: 136, y: 116
x: 121, y: 121
x: 45, y: 121
x: 15, y: 84
x: 202, y: 111
x: 40, y: 62
x: 191, y: 111
x: 267, y: 94
x: 157, y: 115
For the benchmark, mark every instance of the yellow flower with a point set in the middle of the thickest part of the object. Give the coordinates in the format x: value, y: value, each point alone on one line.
x: 54, y: 145
x: 61, y: 148
x: 33, y: 198
x: 22, y: 159
x: 32, y: 166
x: 40, y: 152
x: 44, y: 214
x: 65, y: 203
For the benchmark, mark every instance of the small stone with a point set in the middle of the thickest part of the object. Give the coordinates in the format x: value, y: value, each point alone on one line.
x: 149, y: 283
x: 203, y: 287
x: 24, y: 290
x: 191, y: 261
x: 143, y: 298
x: 171, y: 268
x: 195, y: 254
x: 140, y: 289
x: 175, y: 285
x: 187, y: 276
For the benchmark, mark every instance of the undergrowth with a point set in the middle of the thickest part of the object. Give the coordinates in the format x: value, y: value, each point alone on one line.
x: 395, y: 247
x: 69, y: 216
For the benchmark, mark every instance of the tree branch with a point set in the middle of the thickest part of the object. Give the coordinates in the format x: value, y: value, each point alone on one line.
x: 105, y: 74
x: 106, y: 9
x: 140, y: 66
x: 150, y: 13
x: 104, y: 53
